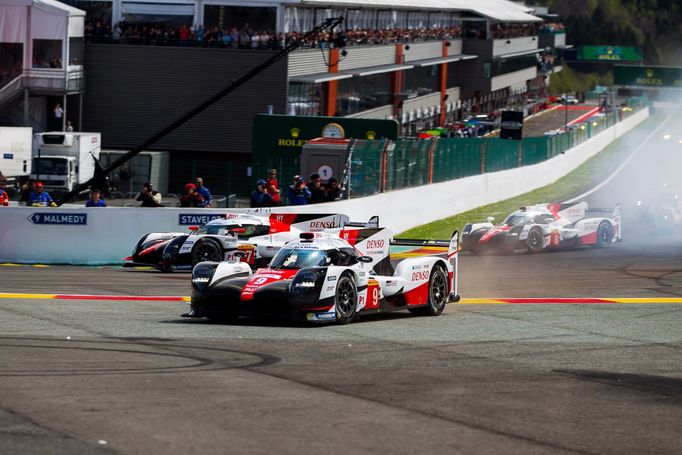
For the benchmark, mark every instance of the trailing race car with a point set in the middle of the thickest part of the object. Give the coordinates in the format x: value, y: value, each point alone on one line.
x: 328, y: 277
x: 545, y: 226
x: 259, y: 236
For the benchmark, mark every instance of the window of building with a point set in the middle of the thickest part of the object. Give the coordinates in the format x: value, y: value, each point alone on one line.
x: 11, y: 61
x: 76, y: 50
x: 509, y: 65
x: 359, y: 94
x: 304, y: 98
x: 226, y: 17
x: 47, y: 53
x: 454, y: 74
x: 422, y: 81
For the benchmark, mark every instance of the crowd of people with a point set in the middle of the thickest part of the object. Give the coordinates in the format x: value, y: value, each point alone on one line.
x: 250, y: 38
x: 269, y: 194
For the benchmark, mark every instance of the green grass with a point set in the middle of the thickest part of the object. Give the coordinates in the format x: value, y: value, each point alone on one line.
x: 583, y: 177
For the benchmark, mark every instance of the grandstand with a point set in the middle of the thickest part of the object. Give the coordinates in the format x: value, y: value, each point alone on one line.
x: 422, y: 65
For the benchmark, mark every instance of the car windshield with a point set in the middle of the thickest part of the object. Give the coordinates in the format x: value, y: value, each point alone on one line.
x: 250, y: 230
x: 516, y: 219
x: 298, y: 258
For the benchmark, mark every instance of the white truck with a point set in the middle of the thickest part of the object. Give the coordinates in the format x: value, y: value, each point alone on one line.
x: 15, y: 151
x: 63, y: 160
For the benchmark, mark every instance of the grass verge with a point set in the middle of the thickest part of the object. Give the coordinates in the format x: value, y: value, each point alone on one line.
x: 585, y: 176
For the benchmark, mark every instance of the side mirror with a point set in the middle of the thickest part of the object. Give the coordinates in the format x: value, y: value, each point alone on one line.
x: 490, y: 219
x: 239, y: 254
x: 193, y: 228
x: 365, y: 259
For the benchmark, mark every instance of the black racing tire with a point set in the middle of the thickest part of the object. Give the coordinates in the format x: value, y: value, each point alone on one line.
x: 345, y: 299
x: 206, y: 249
x: 604, y: 235
x: 535, y: 240
x: 438, y: 294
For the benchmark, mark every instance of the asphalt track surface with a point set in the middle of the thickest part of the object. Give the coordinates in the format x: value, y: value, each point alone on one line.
x: 131, y: 376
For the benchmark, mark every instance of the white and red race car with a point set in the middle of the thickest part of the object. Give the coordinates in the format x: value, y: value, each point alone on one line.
x: 258, y: 235
x: 328, y: 277
x: 545, y: 226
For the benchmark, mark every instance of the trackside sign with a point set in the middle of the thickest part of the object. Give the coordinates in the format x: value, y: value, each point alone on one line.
x: 59, y: 218
x: 188, y: 219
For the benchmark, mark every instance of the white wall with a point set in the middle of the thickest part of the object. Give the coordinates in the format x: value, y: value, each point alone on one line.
x: 111, y: 233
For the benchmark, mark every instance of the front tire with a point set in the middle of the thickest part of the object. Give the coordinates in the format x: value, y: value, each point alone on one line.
x: 604, y: 235
x: 345, y: 300
x: 206, y: 250
x: 438, y: 294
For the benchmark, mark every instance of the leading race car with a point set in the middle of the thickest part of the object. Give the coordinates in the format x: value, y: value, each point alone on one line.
x: 545, y: 226
x: 328, y: 277
x: 258, y: 235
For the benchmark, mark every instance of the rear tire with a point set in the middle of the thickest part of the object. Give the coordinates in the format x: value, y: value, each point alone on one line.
x: 535, y: 240
x: 206, y: 249
x: 604, y: 235
x: 438, y: 294
x: 345, y: 300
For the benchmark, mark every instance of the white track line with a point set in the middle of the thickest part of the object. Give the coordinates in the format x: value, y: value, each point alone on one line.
x: 620, y: 168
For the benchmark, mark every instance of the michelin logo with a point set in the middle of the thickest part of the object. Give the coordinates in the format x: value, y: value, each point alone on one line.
x: 320, y: 317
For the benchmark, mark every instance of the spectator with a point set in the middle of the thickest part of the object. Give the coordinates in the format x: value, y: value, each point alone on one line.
x: 39, y: 198
x: 316, y: 189
x: 204, y: 192
x: 26, y: 190
x: 148, y: 196
x: 260, y: 197
x: 273, y: 187
x: 95, y: 199
x: 333, y: 190
x: 4, y: 198
x: 3, y: 180
x: 298, y: 192
x: 58, y: 114
x: 191, y: 197
x: 69, y: 127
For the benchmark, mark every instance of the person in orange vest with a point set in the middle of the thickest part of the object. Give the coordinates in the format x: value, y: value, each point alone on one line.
x: 4, y: 198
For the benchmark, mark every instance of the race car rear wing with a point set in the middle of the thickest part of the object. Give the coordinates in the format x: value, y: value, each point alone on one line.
x: 372, y: 223
x: 452, y: 254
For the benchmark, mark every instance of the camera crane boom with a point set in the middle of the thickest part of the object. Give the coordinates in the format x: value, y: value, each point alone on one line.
x: 101, y: 172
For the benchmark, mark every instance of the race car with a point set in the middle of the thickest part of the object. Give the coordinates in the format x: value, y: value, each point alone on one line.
x: 328, y: 277
x: 545, y: 226
x: 258, y: 235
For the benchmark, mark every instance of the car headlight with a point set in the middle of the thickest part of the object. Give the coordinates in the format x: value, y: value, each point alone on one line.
x: 202, y: 274
x: 171, y: 250
x: 307, y: 281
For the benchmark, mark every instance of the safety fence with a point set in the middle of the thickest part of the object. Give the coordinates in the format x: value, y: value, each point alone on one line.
x: 384, y: 165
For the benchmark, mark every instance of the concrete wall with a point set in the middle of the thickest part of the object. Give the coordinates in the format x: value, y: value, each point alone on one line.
x: 110, y: 234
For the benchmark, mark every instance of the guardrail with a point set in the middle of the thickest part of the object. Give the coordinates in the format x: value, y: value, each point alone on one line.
x: 78, y: 235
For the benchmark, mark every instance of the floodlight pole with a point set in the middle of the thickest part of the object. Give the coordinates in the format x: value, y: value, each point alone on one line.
x: 101, y: 172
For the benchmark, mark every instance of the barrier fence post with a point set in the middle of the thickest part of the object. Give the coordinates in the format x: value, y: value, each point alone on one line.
x: 483, y: 144
x: 519, y: 156
x: 432, y: 148
x: 383, y: 163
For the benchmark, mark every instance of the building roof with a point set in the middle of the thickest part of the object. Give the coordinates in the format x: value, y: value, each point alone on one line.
x: 501, y: 10
x: 47, y: 5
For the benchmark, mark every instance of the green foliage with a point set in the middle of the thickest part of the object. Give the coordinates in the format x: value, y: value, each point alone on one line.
x: 568, y: 81
x: 653, y: 25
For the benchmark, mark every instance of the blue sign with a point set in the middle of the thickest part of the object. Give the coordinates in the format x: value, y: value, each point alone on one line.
x: 59, y: 218
x: 8, y: 156
x: 187, y: 219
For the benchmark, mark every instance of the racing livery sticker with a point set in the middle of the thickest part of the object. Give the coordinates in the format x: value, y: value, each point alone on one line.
x: 263, y: 277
